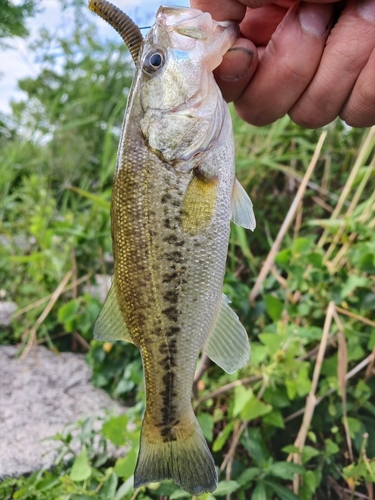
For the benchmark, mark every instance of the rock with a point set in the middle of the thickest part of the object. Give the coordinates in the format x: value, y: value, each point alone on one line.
x: 6, y: 311
x: 20, y: 242
x: 101, y: 287
x: 39, y: 396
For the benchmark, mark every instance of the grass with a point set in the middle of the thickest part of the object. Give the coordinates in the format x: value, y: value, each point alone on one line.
x: 297, y: 422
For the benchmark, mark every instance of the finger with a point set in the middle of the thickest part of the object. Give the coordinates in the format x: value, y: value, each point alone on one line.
x: 359, y: 110
x: 221, y: 10
x: 347, y: 51
x: 288, y: 64
x: 255, y: 4
x: 234, y: 10
x: 237, y: 68
x: 260, y: 24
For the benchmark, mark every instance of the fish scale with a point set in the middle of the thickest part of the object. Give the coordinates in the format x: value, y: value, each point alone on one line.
x: 154, y: 201
x: 174, y: 195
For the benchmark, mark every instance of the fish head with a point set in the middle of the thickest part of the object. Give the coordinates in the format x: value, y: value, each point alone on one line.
x: 183, y: 109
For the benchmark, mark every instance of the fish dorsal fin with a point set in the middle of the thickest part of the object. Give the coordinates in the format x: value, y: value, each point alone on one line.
x: 110, y: 324
x: 228, y: 345
x: 242, y: 208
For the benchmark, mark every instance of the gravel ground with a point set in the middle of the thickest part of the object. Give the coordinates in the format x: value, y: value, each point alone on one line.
x: 38, y: 397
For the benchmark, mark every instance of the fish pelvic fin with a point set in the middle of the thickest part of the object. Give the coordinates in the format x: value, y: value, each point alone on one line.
x: 178, y: 452
x: 110, y: 324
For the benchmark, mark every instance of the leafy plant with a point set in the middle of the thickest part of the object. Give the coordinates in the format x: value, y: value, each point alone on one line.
x: 13, y: 19
x: 297, y: 422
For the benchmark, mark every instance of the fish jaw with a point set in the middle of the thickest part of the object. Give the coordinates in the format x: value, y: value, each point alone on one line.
x: 189, y: 27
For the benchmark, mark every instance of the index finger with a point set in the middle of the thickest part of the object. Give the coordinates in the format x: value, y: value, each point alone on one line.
x: 221, y: 10
x: 234, y: 10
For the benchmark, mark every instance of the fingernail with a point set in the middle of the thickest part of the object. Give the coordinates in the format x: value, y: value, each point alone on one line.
x: 315, y: 18
x: 235, y: 63
x: 366, y: 9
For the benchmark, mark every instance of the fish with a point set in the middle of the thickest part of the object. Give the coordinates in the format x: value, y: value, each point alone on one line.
x: 174, y: 195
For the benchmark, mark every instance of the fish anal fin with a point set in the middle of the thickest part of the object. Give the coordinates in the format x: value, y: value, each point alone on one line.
x: 199, y: 204
x: 178, y: 452
x: 242, y: 208
x: 110, y: 325
x: 228, y: 344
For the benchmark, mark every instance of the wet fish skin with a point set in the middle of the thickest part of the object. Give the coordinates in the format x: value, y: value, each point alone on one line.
x: 173, y: 198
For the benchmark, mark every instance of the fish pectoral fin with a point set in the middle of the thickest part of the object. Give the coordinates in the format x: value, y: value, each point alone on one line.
x: 242, y: 208
x: 199, y: 204
x: 110, y: 324
x: 228, y: 345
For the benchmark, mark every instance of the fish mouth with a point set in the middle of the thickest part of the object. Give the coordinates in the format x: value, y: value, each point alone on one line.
x: 177, y: 14
x: 198, y: 25
x: 173, y: 15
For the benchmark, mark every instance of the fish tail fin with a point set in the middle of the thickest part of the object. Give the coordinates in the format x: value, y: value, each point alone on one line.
x: 178, y: 452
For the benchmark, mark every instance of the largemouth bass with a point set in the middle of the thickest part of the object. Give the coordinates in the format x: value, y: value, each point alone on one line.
x: 174, y: 195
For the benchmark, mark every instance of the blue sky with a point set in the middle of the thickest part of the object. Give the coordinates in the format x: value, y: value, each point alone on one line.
x: 18, y: 62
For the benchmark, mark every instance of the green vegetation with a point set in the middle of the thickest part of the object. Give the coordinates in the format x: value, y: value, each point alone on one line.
x: 298, y: 421
x: 13, y: 17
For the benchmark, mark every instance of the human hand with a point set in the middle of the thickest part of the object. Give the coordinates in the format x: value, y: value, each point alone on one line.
x: 316, y: 60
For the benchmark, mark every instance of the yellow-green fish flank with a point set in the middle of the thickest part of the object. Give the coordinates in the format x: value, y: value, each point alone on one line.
x: 173, y: 198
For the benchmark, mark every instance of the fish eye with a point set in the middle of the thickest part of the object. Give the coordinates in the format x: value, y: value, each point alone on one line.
x: 154, y: 60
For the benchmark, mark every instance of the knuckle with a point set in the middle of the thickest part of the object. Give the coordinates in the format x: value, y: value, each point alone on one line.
x: 251, y: 116
x: 295, y: 69
x: 358, y: 119
x: 297, y: 72
x: 359, y: 110
x: 308, y: 118
x: 349, y: 121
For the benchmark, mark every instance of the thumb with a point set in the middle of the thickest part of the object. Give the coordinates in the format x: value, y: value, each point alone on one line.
x: 236, y: 69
